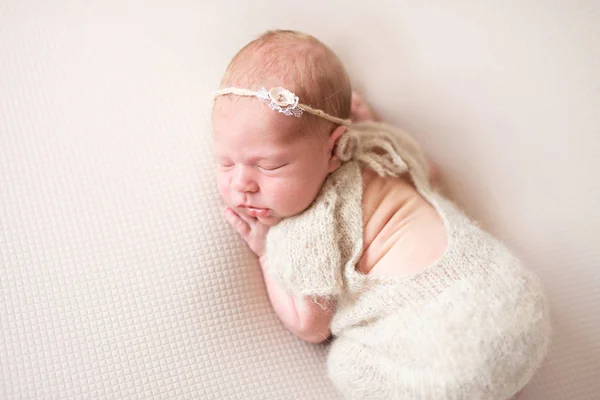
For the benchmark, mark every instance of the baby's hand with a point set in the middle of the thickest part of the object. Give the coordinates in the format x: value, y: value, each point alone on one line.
x: 250, y: 229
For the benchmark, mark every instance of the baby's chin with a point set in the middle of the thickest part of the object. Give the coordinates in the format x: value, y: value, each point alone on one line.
x: 271, y: 220
x: 274, y: 217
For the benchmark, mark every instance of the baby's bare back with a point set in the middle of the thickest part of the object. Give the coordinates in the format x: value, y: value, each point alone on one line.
x: 403, y: 233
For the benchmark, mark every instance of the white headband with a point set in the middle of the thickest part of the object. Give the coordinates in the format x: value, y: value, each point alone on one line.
x: 283, y: 101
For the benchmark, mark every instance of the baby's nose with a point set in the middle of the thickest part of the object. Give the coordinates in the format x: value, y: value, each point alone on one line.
x: 245, y: 187
x: 243, y: 182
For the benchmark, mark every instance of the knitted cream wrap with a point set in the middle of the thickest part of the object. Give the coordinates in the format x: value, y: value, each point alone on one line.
x: 473, y: 325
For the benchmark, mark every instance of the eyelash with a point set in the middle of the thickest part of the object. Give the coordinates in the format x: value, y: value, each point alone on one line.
x: 227, y: 167
x: 271, y: 169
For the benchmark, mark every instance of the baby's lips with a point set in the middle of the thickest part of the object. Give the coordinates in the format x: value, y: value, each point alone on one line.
x: 258, y: 212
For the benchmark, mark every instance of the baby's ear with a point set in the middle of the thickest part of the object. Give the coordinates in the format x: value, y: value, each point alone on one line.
x: 334, y: 161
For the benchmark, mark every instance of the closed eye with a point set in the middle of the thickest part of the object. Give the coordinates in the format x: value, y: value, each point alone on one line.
x: 225, y: 166
x: 271, y: 168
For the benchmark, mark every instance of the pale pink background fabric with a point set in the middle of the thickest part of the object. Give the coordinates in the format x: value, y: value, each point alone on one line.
x: 119, y: 278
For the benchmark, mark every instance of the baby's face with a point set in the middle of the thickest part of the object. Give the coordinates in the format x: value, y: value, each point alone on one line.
x: 266, y: 169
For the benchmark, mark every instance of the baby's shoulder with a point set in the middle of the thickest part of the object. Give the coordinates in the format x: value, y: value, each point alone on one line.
x: 377, y: 188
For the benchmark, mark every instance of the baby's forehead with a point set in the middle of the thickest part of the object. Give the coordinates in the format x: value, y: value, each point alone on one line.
x: 235, y: 112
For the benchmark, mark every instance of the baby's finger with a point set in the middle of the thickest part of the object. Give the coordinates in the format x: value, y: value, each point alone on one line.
x: 236, y: 222
x: 251, y: 221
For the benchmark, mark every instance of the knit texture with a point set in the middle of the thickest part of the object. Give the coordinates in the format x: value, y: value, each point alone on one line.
x: 473, y: 325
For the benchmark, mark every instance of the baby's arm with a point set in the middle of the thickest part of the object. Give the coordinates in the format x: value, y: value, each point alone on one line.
x: 307, y: 319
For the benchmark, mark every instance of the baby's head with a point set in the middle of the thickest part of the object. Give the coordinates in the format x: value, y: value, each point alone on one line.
x: 270, y: 165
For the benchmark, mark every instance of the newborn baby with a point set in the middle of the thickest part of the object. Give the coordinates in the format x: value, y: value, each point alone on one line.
x: 353, y: 240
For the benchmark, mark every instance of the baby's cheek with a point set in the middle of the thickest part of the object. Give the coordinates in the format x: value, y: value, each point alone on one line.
x: 276, y: 198
x: 293, y: 200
